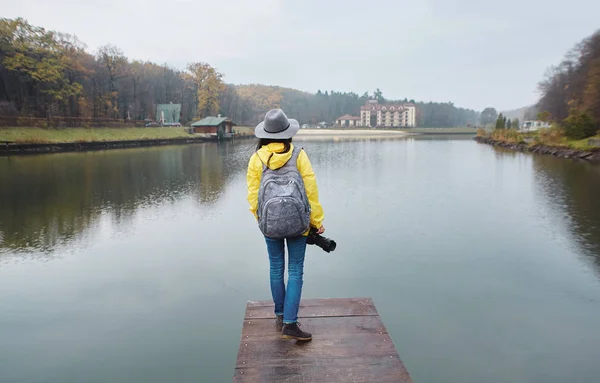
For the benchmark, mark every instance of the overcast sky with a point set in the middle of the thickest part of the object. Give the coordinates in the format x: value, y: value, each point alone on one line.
x: 475, y: 53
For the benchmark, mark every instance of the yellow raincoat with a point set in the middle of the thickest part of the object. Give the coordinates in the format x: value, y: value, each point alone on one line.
x: 272, y: 156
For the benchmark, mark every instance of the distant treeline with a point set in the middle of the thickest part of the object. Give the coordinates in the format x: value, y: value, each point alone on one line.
x: 256, y: 99
x: 571, y: 90
x: 47, y: 74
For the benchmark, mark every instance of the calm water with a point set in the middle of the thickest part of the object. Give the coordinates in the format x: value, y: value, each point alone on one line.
x: 135, y: 265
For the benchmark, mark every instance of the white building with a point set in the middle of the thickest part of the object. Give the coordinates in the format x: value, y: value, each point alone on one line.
x: 532, y: 126
x: 347, y: 120
x: 374, y: 114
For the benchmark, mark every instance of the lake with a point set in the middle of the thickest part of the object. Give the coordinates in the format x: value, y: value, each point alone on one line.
x: 135, y: 265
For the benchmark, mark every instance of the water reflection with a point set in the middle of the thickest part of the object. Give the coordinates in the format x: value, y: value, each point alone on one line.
x: 497, y: 245
x: 568, y: 190
x: 47, y: 200
x: 443, y: 137
x: 573, y: 187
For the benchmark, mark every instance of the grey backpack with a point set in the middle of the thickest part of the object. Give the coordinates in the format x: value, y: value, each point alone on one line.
x: 283, y: 208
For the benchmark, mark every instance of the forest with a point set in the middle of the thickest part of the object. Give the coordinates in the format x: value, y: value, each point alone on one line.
x: 48, y: 74
x: 571, y: 90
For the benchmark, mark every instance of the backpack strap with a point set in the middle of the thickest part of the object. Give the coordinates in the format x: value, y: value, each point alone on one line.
x: 295, y: 154
x: 293, y: 160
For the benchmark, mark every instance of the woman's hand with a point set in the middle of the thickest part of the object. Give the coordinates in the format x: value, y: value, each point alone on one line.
x: 321, y: 230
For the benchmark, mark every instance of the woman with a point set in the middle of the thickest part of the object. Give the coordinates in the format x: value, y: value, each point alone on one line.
x: 283, y: 196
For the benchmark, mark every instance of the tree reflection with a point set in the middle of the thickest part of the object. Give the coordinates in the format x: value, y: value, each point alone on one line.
x: 576, y: 187
x: 49, y: 199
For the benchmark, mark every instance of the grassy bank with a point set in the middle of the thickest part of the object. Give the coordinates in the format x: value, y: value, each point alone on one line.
x: 553, y: 137
x: 53, y: 136
x: 43, y: 136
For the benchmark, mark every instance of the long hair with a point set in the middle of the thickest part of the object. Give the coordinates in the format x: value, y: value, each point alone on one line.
x: 266, y: 141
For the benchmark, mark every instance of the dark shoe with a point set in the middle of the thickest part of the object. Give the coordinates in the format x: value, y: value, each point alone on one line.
x: 292, y: 331
x: 279, y: 322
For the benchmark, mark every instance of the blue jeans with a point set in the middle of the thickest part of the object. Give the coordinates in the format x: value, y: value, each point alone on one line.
x: 287, y: 302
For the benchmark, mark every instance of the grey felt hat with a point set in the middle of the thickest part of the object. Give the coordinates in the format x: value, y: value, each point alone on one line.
x: 277, y: 126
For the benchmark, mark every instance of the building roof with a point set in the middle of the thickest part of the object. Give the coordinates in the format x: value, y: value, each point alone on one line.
x: 386, y: 107
x: 211, y: 121
x: 348, y: 117
x: 374, y: 105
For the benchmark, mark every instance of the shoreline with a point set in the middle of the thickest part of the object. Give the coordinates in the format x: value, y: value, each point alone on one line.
x: 93, y: 143
x: 562, y: 152
x: 8, y: 149
x: 61, y: 147
x: 389, y: 132
x: 353, y: 132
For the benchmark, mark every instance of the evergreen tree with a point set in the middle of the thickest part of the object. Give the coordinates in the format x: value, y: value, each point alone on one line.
x: 378, y: 95
x: 500, y: 122
x: 508, y: 124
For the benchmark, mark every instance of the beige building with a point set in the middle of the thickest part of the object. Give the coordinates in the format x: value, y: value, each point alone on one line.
x: 347, y: 121
x: 374, y: 114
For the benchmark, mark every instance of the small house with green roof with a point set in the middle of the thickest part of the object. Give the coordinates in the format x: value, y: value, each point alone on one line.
x: 214, y: 126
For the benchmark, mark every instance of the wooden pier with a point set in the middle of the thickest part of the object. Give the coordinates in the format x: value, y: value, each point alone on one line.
x: 350, y: 344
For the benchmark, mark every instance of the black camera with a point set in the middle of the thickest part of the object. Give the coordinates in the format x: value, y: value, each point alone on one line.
x: 317, y: 239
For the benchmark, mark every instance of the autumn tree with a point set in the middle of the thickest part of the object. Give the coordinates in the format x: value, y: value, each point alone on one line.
x: 571, y: 90
x: 208, y: 83
x: 36, y: 64
x: 544, y: 116
x: 50, y: 74
x: 114, y: 63
x: 75, y: 62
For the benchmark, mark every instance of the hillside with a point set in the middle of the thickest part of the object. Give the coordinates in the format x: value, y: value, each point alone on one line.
x: 71, y: 83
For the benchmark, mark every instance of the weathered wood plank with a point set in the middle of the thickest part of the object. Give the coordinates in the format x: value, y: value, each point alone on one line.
x: 332, y: 338
x: 350, y: 344
x: 324, y: 327
x: 316, y: 308
x: 357, y: 370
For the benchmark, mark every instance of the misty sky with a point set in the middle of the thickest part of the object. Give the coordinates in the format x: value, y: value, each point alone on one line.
x: 475, y: 53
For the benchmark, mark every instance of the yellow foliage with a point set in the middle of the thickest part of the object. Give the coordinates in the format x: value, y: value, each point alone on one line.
x: 507, y: 135
x: 261, y: 97
x: 591, y: 94
x: 209, y: 85
x: 551, y: 136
